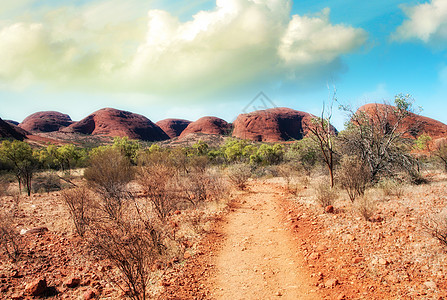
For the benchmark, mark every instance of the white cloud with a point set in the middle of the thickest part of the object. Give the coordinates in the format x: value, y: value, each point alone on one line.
x: 112, y: 45
x: 426, y: 22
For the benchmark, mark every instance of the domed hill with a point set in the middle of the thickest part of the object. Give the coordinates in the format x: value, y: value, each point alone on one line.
x: 114, y: 122
x: 8, y: 131
x: 173, y: 127
x: 207, y: 125
x: 414, y: 125
x: 273, y: 125
x: 46, y: 121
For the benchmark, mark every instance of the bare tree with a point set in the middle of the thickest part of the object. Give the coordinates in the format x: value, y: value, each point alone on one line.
x: 324, y: 134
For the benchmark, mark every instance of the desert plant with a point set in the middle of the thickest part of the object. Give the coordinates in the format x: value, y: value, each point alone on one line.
x: 10, y: 239
x: 238, y: 174
x: 377, y: 137
x: 366, y: 207
x: 325, y: 195
x: 132, y: 247
x: 437, y: 226
x: 441, y: 152
x: 20, y: 155
x: 353, y: 176
x: 159, y: 182
x: 108, y: 174
x: 79, y: 204
x: 288, y: 173
x: 391, y: 187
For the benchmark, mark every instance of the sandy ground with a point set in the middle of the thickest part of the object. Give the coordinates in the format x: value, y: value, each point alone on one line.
x: 258, y: 259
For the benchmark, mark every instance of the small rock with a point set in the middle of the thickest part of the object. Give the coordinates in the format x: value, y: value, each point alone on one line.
x: 37, y: 287
x: 431, y: 285
x: 73, y: 282
x: 357, y: 260
x: 329, y: 209
x: 90, y: 294
x: 383, y: 262
x: 331, y: 283
x: 314, y: 256
x: 341, y: 297
x: 36, y: 230
x: 279, y: 294
x: 187, y: 255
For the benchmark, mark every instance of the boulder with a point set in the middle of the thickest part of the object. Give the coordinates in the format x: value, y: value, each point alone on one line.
x: 37, y: 287
x: 118, y: 123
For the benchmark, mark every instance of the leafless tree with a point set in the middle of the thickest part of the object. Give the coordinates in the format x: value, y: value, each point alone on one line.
x: 324, y: 134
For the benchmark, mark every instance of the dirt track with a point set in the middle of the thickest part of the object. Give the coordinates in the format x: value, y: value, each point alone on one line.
x: 258, y: 259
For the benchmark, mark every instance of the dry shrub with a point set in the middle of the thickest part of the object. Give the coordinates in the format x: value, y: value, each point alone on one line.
x: 325, y: 195
x: 353, y: 176
x: 366, y: 207
x: 159, y: 182
x: 132, y: 248
x: 109, y: 174
x: 391, y: 187
x: 201, y: 186
x: 437, y: 227
x: 79, y: 204
x: 238, y: 174
x: 10, y: 239
x: 288, y: 173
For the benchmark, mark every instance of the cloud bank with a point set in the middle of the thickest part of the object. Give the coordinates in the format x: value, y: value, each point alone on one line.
x: 426, y: 22
x: 113, y: 46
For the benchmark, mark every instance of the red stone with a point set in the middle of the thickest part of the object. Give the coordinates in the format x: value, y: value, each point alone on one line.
x: 207, y: 125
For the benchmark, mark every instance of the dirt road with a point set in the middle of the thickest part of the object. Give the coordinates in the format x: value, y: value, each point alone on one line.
x: 258, y: 259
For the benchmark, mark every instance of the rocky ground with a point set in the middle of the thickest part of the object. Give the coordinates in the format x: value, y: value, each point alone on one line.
x: 270, y: 244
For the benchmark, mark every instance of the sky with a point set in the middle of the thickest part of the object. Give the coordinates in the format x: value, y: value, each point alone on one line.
x: 188, y: 59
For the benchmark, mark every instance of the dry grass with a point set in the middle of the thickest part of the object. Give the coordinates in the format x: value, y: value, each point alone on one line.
x: 79, y: 204
x: 238, y: 174
x: 366, y: 207
x: 10, y: 239
x: 391, y: 187
x: 325, y: 195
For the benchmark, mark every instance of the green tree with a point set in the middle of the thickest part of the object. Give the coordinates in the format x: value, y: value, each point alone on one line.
x: 20, y: 155
x: 129, y: 148
x: 377, y: 137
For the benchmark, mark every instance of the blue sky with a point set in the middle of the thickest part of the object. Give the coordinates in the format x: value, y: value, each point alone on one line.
x: 187, y: 60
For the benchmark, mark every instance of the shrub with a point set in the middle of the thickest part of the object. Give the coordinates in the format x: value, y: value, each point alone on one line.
x: 108, y: 174
x: 132, y: 247
x: 10, y: 239
x: 325, y: 195
x: 353, y: 176
x: 159, y: 182
x: 365, y: 207
x: 288, y: 173
x: 390, y: 187
x: 437, y: 227
x: 79, y: 204
x: 238, y: 174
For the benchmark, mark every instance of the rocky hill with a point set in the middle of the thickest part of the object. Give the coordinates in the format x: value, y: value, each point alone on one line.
x: 173, y: 127
x: 9, y: 131
x: 208, y: 125
x: 273, y: 125
x: 114, y: 122
x: 46, y: 121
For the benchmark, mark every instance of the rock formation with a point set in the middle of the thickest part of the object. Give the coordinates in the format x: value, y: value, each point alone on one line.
x: 45, y: 121
x: 173, y: 127
x: 273, y: 125
x: 113, y: 122
x: 207, y: 125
